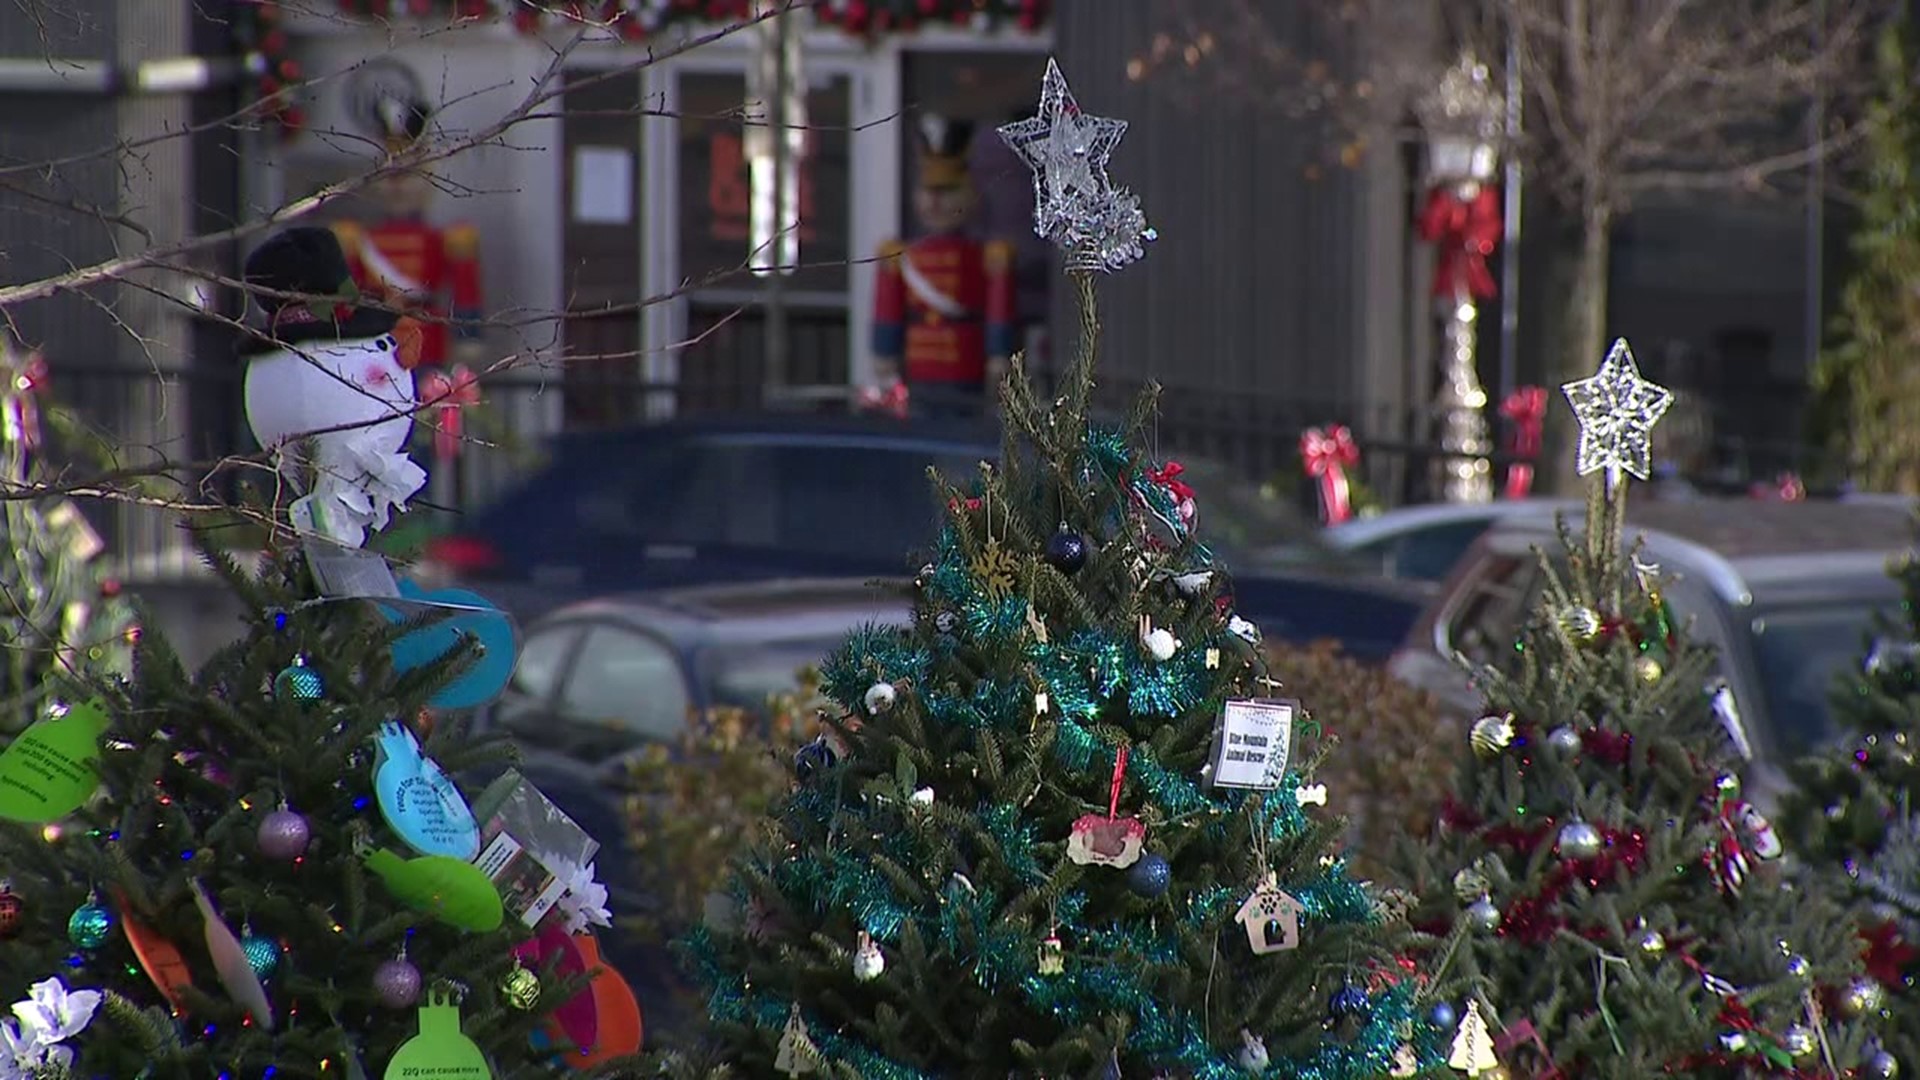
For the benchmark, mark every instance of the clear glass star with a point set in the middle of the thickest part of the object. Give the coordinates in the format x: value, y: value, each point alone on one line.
x: 1617, y: 410
x: 1068, y: 152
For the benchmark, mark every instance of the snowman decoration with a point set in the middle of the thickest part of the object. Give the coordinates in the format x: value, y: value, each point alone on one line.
x: 332, y: 391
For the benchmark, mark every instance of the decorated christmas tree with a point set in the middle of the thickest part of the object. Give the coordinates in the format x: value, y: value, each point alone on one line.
x: 1851, y: 815
x: 1628, y: 912
x: 1057, y: 828
x: 268, y: 867
x: 61, y: 616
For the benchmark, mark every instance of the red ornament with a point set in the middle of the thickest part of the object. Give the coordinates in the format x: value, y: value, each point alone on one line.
x: 293, y: 121
x: 12, y: 912
x: 110, y: 588
x: 420, y: 8
x: 289, y: 70
x: 274, y: 43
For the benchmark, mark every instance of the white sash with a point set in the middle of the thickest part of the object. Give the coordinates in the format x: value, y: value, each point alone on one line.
x: 384, y: 269
x: 929, y: 293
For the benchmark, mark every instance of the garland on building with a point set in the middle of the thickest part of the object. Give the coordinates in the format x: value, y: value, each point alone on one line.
x: 258, y: 34
x: 640, y: 19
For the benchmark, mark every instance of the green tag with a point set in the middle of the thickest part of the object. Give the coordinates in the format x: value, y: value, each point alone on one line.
x: 440, y: 1051
x: 455, y: 892
x: 49, y: 770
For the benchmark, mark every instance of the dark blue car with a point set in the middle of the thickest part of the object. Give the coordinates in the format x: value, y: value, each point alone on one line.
x: 766, y: 497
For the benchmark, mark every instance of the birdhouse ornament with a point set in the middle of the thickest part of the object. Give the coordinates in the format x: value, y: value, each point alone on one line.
x: 330, y: 388
x: 1271, y: 918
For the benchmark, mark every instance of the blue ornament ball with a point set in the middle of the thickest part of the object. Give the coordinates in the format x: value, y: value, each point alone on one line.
x: 1067, y: 551
x: 89, y: 925
x: 298, y: 682
x: 1150, y: 876
x: 1348, y: 1002
x: 816, y: 756
x: 1443, y: 1016
x: 263, y: 955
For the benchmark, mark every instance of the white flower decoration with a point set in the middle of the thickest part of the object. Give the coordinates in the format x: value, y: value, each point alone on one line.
x: 584, y: 904
x: 50, y: 1015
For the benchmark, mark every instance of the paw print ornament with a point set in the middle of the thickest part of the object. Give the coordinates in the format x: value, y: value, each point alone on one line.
x: 422, y: 807
x: 1111, y: 840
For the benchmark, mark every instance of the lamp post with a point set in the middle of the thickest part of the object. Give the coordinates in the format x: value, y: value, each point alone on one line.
x: 1462, y: 119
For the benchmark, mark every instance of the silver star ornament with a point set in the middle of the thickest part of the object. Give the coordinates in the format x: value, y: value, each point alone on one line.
x: 1074, y: 204
x: 1617, y: 410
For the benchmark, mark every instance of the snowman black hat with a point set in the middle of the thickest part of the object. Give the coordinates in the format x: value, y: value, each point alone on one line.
x: 308, y: 262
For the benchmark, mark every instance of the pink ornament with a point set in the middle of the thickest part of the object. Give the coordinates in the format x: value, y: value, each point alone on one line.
x: 284, y: 835
x: 397, y: 983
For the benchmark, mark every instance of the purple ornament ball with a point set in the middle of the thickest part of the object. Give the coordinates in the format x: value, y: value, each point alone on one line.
x: 284, y: 835
x: 397, y: 984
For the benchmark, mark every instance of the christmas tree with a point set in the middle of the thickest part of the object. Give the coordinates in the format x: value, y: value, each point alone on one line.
x: 61, y: 617
x: 266, y: 868
x: 1056, y: 829
x: 1851, y: 813
x: 1628, y: 910
x: 1868, y: 404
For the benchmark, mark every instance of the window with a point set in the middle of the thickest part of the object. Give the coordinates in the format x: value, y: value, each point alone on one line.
x: 1484, y: 625
x: 1430, y: 554
x: 625, y: 684
x: 871, y: 504
x: 747, y: 676
x: 1799, y: 652
x: 543, y: 658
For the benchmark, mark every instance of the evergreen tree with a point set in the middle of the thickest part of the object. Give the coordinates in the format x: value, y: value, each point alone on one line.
x: 1017, y: 853
x: 60, y: 615
x: 1868, y: 394
x: 1852, y: 812
x: 1625, y: 904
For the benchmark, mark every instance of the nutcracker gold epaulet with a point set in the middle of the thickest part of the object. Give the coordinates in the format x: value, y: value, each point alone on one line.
x: 892, y: 249
x: 998, y: 255
x: 461, y: 241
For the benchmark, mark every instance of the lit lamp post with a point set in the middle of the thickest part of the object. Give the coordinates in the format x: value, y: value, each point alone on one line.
x: 1462, y: 118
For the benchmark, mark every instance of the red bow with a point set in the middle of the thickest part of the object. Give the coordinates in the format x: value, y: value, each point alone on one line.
x: 1526, y: 411
x: 890, y: 399
x: 1327, y: 454
x: 20, y: 420
x: 1465, y: 231
x: 446, y: 393
x: 1786, y: 488
x: 1888, y: 956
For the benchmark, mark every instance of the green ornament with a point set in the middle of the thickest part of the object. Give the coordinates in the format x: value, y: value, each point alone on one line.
x: 452, y: 890
x: 440, y: 1050
x: 90, y: 924
x: 521, y: 988
x: 50, y: 769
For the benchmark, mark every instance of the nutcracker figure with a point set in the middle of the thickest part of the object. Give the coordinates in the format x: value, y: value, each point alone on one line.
x: 409, y: 264
x: 944, y: 319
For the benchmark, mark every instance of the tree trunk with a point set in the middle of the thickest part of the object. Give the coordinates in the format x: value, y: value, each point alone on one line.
x: 1586, y: 341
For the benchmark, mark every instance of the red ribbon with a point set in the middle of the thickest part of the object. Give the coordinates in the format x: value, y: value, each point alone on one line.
x: 1526, y: 411
x: 1888, y: 956
x: 1785, y: 488
x: 1327, y: 454
x: 890, y: 399
x: 446, y: 394
x: 1465, y: 232
x: 1119, y: 777
x: 23, y: 388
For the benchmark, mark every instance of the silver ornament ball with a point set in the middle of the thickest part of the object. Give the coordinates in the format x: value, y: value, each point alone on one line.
x: 1798, y: 967
x: 1579, y: 840
x: 397, y: 984
x: 284, y: 835
x: 1883, y: 1066
x: 1563, y: 741
x: 1483, y: 915
x: 1798, y: 1040
x: 1864, y: 995
x: 880, y: 698
x: 1652, y: 942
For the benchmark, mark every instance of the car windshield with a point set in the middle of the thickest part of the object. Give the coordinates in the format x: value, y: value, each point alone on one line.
x: 1799, y: 651
x: 1250, y: 527
x: 746, y: 676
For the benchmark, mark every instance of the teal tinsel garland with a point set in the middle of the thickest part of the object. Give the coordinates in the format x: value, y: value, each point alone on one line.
x: 872, y: 654
x: 1107, y: 451
x: 1015, y: 840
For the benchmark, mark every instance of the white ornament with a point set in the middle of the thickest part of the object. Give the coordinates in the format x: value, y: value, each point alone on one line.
x: 923, y: 797
x: 880, y: 698
x: 1617, y: 410
x: 1158, y: 641
x: 1311, y: 794
x: 868, y: 961
x: 1472, y: 1049
x: 1253, y: 1052
x: 1244, y: 630
x: 1193, y: 584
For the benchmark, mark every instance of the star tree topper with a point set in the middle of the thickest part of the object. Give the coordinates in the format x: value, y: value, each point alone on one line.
x: 1617, y: 410
x: 1074, y: 204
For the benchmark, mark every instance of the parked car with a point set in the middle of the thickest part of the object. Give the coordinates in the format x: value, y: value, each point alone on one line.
x: 1785, y: 591
x: 765, y: 497
x: 1418, y: 544
x: 599, y: 681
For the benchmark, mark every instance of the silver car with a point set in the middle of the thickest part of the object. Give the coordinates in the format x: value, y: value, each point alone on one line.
x: 1786, y: 592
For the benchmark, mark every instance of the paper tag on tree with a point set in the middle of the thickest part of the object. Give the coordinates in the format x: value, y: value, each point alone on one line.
x: 349, y: 573
x: 1251, y: 743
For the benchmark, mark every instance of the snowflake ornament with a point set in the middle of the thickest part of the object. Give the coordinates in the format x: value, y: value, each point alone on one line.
x: 1617, y: 410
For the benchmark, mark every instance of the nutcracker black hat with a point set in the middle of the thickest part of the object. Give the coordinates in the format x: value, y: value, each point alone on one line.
x: 402, y: 119
x: 943, y: 152
x: 308, y: 261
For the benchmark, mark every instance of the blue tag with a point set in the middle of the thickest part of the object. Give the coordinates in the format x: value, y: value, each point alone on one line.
x: 471, y: 616
x: 419, y: 803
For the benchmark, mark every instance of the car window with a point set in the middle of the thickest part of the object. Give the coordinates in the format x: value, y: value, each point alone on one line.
x: 1430, y: 554
x: 1799, y: 652
x: 747, y: 676
x: 867, y: 503
x: 627, y: 683
x: 543, y: 657
x: 1484, y: 624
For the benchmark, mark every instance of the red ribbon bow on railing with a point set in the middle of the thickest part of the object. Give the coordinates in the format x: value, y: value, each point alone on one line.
x: 890, y: 399
x: 1525, y: 410
x: 20, y: 418
x: 1464, y: 231
x: 446, y: 393
x: 1327, y: 454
